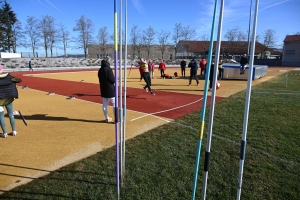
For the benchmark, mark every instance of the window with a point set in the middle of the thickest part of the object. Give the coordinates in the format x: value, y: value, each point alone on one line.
x: 290, y: 52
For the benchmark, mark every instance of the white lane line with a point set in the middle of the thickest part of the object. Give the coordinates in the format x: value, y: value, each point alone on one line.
x: 167, y: 110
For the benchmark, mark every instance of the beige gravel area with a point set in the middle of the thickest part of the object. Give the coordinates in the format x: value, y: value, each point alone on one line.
x: 62, y: 131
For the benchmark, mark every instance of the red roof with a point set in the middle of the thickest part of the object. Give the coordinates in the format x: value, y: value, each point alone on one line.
x: 240, y: 47
x: 292, y: 38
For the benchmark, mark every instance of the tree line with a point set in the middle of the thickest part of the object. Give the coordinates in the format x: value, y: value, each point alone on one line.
x: 47, y: 34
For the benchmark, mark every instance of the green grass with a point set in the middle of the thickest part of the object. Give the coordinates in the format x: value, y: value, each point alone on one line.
x: 160, y: 163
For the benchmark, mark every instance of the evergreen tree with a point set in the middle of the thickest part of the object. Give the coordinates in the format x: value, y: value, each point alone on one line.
x: 7, y: 20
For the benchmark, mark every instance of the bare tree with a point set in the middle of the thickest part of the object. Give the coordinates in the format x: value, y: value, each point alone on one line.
x: 17, y: 36
x: 135, y: 35
x: 242, y: 42
x: 85, y: 27
x: 31, y: 29
x: 205, y: 39
x: 163, y: 41
x: 187, y: 35
x: 234, y: 36
x: 103, y: 40
x: 48, y: 32
x: 64, y: 35
x: 176, y: 36
x: 269, y: 39
x: 148, y: 36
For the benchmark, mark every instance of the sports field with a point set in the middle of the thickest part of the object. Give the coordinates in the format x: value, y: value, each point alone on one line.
x: 61, y: 131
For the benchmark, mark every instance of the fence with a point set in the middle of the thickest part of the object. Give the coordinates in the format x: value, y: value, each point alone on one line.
x: 55, y: 55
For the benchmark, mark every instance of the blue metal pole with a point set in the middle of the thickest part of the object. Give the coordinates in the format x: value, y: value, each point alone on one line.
x: 212, y: 104
x: 201, y: 129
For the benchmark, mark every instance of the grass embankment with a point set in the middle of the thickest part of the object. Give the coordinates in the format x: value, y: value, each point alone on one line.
x: 160, y: 163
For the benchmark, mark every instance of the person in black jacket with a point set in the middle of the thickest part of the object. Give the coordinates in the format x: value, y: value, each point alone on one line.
x: 243, y: 62
x: 211, y: 75
x: 107, y: 86
x: 194, y: 68
x: 8, y: 93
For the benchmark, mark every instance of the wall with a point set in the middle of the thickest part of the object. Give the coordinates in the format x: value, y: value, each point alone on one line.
x: 9, y: 55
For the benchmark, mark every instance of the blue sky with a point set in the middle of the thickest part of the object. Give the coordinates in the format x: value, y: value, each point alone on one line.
x: 281, y: 15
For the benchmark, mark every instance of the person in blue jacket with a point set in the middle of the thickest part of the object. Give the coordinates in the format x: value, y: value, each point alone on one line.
x: 193, y: 65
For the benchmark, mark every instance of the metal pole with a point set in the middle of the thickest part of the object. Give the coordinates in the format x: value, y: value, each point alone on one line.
x: 249, y: 30
x: 116, y: 99
x: 125, y: 91
x: 287, y: 79
x: 120, y: 86
x: 247, y: 105
x: 212, y: 104
x: 201, y: 129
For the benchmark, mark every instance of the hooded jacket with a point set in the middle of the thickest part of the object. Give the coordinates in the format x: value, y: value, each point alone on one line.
x: 106, y: 80
x: 194, y: 66
x: 8, y: 89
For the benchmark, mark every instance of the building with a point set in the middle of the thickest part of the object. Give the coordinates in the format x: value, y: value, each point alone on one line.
x: 228, y: 49
x: 291, y: 51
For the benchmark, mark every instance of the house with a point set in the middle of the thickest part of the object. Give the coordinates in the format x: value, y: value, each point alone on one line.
x: 291, y: 51
x: 228, y: 49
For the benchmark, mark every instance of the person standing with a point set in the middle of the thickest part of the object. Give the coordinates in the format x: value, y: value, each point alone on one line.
x: 211, y: 75
x: 243, y: 62
x: 202, y: 66
x: 194, y: 68
x: 183, y: 66
x: 30, y: 66
x: 107, y: 87
x: 221, y: 70
x: 8, y: 93
x: 146, y: 76
x: 151, y: 68
x: 162, y: 68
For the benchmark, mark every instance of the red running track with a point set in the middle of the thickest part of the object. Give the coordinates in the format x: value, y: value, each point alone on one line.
x: 164, y: 104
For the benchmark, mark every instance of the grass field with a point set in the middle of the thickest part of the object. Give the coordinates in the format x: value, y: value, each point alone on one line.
x: 160, y: 163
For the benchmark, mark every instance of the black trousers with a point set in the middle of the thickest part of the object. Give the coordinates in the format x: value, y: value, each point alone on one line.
x: 221, y: 72
x: 146, y: 76
x: 193, y: 74
x: 183, y: 71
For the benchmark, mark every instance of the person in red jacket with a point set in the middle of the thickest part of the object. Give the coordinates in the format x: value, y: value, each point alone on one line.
x: 162, y: 68
x: 202, y: 66
x: 151, y: 68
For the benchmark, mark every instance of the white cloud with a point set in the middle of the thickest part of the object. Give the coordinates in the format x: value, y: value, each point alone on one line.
x: 138, y: 6
x: 54, y: 6
x: 42, y: 3
x: 234, y: 12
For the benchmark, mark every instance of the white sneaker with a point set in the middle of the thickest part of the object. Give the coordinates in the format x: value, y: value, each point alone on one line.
x: 14, y: 133
x: 4, y: 135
